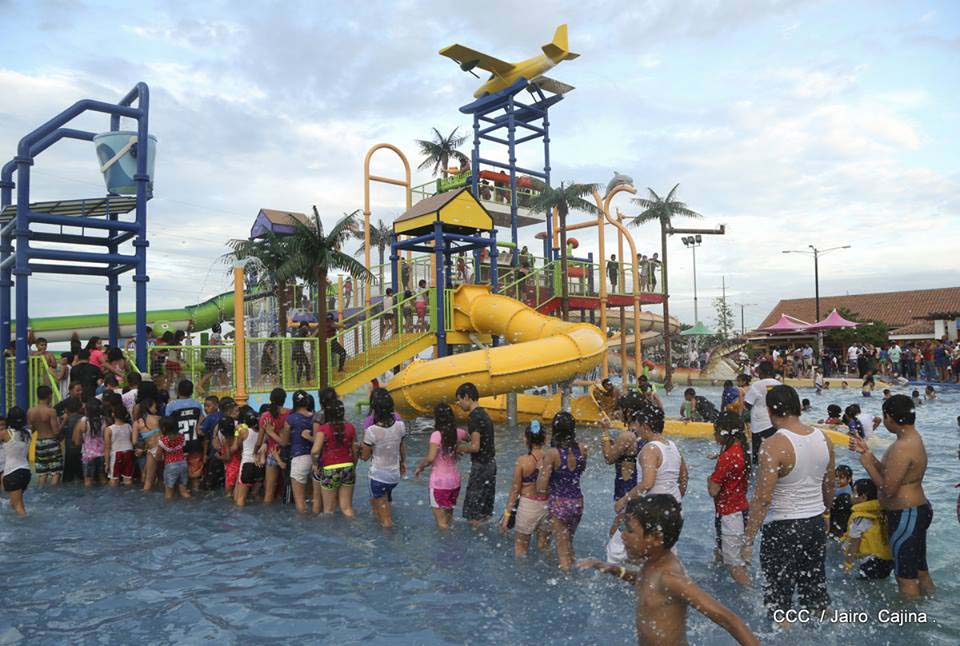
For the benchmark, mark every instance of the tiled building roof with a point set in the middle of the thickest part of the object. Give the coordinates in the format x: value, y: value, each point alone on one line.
x: 896, y: 309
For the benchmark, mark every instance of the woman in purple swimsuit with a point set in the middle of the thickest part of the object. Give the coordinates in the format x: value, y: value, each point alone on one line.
x: 560, y: 472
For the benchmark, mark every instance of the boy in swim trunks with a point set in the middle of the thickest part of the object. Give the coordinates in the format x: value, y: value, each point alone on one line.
x: 899, y: 480
x: 664, y: 591
x: 42, y: 420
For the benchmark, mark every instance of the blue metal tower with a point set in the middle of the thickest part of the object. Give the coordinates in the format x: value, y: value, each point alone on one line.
x: 19, y: 231
x: 515, y: 114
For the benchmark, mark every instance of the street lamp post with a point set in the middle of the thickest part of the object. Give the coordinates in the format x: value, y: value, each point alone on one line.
x: 816, y: 253
x: 692, y: 242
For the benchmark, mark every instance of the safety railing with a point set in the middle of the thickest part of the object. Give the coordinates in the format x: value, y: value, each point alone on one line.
x: 493, y: 192
x: 39, y: 373
x: 534, y: 288
x: 209, y: 367
x: 377, y: 333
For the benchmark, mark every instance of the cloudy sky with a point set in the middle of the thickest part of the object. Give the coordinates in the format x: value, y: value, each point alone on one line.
x: 793, y: 123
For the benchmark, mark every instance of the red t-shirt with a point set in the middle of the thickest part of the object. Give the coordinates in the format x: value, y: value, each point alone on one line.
x: 731, y: 474
x: 277, y: 426
x: 176, y: 444
x: 335, y: 452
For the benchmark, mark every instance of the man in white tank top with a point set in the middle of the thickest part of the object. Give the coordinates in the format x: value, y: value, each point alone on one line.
x: 662, y: 469
x: 794, y: 489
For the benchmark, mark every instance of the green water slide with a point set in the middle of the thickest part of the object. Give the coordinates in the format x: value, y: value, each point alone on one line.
x: 197, y: 317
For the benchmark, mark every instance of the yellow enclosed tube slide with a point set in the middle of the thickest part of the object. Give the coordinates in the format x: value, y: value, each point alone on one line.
x: 542, y: 350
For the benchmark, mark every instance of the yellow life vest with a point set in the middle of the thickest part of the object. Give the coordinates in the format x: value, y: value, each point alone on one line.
x: 873, y: 542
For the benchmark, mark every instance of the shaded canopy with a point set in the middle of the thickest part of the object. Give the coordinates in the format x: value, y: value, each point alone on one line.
x: 832, y: 322
x: 787, y: 324
x: 697, y: 330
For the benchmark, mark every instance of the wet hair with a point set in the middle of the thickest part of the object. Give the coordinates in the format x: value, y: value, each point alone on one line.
x: 900, y: 408
x: 533, y: 435
x: 148, y: 390
x: 628, y: 402
x: 743, y: 379
x: 446, y: 423
x: 333, y: 415
x: 301, y: 399
x: 72, y: 405
x: 865, y: 487
x: 169, y: 426
x: 17, y: 421
x: 731, y: 430
x: 327, y: 397
x: 657, y: 513
x: 606, y: 383
x: 134, y: 379
x: 44, y: 392
x: 689, y: 392
x: 844, y: 471
x: 95, y: 417
x: 119, y: 413
x: 783, y: 401
x: 805, y: 403
x: 467, y: 389
x: 834, y: 411
x: 382, y: 406
x: 145, y: 405
x: 212, y: 399
x: 728, y: 384
x: 563, y: 431
x: 92, y: 343
x: 852, y: 410
x: 648, y: 413
x: 373, y: 394
x: 249, y: 417
x: 110, y: 380
x: 228, y: 427
x: 766, y: 370
x: 278, y: 396
x: 114, y: 354
x: 185, y: 388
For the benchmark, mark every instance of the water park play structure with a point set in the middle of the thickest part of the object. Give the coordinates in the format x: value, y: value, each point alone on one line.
x: 491, y: 321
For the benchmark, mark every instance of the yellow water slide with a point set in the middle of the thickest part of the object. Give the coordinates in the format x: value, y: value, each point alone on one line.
x: 542, y: 350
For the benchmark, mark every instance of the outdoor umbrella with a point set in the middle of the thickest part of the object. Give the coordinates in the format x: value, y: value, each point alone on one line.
x: 832, y: 322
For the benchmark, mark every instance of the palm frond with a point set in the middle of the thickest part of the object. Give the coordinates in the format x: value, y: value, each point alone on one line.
x: 672, y: 192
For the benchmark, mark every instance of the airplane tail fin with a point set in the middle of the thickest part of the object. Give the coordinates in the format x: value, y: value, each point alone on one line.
x: 557, y: 49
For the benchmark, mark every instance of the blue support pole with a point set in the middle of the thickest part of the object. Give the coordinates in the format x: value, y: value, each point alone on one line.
x: 394, y: 257
x: 140, y: 277
x: 113, y: 296
x: 22, y: 271
x: 475, y: 158
x: 448, y: 262
x: 546, y: 172
x: 512, y: 156
x: 441, y: 293
x: 6, y: 282
x: 476, y: 266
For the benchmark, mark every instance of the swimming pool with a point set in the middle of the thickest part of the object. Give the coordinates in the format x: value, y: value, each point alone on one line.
x: 116, y: 566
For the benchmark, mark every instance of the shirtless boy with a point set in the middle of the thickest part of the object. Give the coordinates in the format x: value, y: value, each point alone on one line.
x: 899, y: 480
x: 664, y: 590
x: 42, y: 420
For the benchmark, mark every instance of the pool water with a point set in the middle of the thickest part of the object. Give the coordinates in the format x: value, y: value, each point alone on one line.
x: 117, y: 566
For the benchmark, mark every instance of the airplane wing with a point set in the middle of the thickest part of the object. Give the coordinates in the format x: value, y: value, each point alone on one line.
x: 551, y: 85
x: 463, y: 54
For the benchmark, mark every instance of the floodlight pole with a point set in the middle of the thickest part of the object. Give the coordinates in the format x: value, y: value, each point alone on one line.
x: 816, y: 253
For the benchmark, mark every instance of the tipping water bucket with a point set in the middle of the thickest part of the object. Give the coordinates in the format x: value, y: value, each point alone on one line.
x: 117, y: 152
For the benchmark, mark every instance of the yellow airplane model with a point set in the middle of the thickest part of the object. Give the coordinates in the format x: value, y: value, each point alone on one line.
x: 503, y: 74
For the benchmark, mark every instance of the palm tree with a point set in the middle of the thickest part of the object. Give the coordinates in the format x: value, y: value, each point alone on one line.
x: 440, y: 151
x: 663, y: 209
x: 379, y: 238
x: 312, y: 254
x: 566, y: 198
x: 272, y: 251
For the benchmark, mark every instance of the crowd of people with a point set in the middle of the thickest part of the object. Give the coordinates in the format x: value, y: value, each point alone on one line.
x: 928, y: 360
x: 308, y: 455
